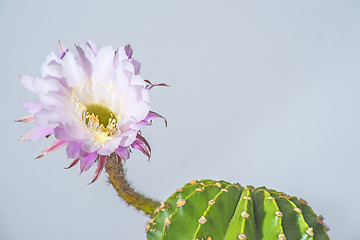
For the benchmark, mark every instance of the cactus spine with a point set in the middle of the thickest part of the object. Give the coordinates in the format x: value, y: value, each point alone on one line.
x: 217, y: 210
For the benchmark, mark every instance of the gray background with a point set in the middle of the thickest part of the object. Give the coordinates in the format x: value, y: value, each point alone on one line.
x: 262, y: 93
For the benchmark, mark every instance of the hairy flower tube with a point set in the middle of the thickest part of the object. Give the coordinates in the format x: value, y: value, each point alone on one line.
x: 93, y: 103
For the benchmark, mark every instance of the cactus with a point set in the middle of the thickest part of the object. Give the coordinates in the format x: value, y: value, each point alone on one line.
x: 216, y: 210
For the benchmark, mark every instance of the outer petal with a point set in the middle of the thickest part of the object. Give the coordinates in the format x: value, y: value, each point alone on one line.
x: 123, y: 152
x: 152, y: 115
x: 74, y: 149
x: 151, y: 85
x: 52, y: 147
x: 28, y: 118
x: 62, y: 50
x: 128, y: 51
x: 36, y: 133
x: 141, y: 144
x: 87, y: 161
x: 73, y: 163
x: 148, y: 120
x: 99, y: 168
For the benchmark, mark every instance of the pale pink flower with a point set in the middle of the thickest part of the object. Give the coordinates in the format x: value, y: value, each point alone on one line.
x: 94, y: 103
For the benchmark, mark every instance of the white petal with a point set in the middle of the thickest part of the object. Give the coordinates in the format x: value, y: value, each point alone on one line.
x: 137, y: 80
x: 42, y: 118
x: 110, y: 146
x: 75, y: 130
x: 43, y: 86
x: 128, y: 138
x: 89, y: 145
x: 32, y: 106
x: 52, y: 67
x: 86, y: 57
x: 72, y: 71
x: 103, y: 68
x: 138, y: 110
x: 52, y: 101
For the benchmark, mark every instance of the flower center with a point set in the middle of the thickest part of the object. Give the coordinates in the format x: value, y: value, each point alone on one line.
x: 101, y: 120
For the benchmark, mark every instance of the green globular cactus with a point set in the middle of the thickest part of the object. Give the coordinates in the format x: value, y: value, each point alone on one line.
x: 217, y: 210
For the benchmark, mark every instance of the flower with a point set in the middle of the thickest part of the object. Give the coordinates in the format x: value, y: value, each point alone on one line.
x: 94, y: 104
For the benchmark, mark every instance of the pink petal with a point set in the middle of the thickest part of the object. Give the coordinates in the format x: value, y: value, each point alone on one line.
x: 74, y: 149
x: 137, y: 66
x: 60, y: 133
x: 36, y: 133
x: 62, y: 50
x: 123, y: 152
x: 28, y: 118
x: 99, y: 168
x: 148, y: 120
x: 128, y: 51
x: 73, y: 163
x: 52, y: 147
x: 142, y: 139
x: 87, y: 161
x: 142, y: 145
x: 152, y: 115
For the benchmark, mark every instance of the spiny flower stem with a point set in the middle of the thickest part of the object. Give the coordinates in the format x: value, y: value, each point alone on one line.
x: 117, y: 178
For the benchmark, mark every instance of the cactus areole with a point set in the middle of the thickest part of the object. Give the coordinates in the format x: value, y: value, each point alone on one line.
x: 217, y: 210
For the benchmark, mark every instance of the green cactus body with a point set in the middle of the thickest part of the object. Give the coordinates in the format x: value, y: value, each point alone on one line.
x: 217, y: 210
